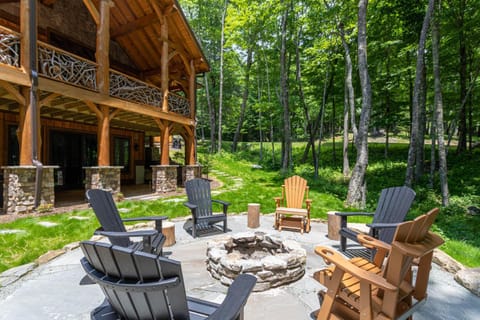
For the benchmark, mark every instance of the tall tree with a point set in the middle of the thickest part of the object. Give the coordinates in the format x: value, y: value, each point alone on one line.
x: 438, y: 103
x: 284, y: 92
x: 417, y: 91
x: 220, y: 98
x: 357, y: 187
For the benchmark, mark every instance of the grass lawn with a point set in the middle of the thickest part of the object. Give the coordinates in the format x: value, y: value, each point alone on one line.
x: 244, y: 183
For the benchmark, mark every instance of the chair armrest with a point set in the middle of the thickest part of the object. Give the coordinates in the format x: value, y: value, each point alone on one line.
x: 347, y: 214
x: 331, y: 256
x: 225, y: 204
x: 278, y: 201
x: 237, y: 295
x: 158, y: 220
x: 119, y: 234
x: 382, y: 248
x: 308, y: 202
x: 190, y: 206
x: 383, y: 225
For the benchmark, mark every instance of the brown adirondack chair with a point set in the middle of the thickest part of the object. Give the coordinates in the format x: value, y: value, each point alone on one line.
x: 385, y: 288
x: 290, y: 211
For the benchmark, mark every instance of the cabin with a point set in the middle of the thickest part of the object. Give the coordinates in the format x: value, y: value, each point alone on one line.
x: 92, y: 94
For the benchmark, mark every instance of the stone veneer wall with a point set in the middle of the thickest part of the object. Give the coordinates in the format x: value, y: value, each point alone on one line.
x: 19, y: 188
x: 105, y: 178
x: 164, y: 178
x: 190, y: 172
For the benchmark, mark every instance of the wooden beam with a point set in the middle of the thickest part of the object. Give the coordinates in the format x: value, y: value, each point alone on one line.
x: 93, y: 11
x: 49, y: 85
x: 92, y: 106
x: 46, y: 101
x: 141, y: 22
x: 103, y: 47
x: 17, y: 95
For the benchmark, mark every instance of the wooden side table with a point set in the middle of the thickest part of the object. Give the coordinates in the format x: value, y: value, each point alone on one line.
x: 253, y: 215
x: 168, y: 230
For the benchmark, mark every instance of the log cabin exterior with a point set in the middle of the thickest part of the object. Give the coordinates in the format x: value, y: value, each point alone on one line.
x: 85, y: 86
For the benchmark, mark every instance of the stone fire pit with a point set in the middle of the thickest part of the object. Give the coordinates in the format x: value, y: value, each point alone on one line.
x: 274, y: 262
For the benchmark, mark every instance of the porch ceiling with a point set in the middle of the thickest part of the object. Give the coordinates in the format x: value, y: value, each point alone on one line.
x: 135, y: 25
x: 69, y: 109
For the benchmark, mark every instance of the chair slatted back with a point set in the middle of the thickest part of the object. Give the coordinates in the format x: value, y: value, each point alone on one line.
x: 199, y: 193
x: 412, y: 240
x: 128, y: 279
x: 392, y: 207
x: 295, y: 190
x: 107, y: 214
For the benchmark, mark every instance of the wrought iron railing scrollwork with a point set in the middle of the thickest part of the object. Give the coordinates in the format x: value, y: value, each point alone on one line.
x: 9, y: 48
x: 178, y: 104
x: 59, y: 65
x: 124, y: 87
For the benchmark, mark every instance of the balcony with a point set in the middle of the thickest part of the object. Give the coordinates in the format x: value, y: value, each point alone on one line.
x: 59, y: 65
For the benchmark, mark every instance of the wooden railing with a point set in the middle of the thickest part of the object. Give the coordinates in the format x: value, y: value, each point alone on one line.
x: 129, y: 88
x: 60, y: 65
x: 9, y: 47
x: 67, y: 67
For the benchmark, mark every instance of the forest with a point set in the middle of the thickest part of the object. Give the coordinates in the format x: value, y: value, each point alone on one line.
x: 288, y: 71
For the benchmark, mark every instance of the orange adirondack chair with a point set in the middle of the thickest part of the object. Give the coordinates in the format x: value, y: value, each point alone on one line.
x: 290, y: 211
x: 385, y: 288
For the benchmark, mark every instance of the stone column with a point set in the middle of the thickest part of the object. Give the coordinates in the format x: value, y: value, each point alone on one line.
x: 105, y: 178
x: 190, y: 172
x: 164, y: 178
x: 19, y: 188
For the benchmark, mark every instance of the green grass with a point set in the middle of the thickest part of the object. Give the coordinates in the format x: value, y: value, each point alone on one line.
x: 242, y: 184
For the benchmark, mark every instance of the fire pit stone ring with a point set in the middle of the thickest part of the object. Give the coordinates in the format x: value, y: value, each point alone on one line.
x: 273, y: 261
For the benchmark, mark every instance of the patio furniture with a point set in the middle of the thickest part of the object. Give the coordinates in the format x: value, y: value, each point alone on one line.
x: 200, y: 204
x: 392, y: 208
x: 290, y: 211
x: 138, y: 285
x: 112, y: 225
x: 385, y: 288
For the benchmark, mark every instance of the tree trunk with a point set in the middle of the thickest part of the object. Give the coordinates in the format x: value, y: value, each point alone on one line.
x: 236, y: 137
x: 211, y: 113
x: 348, y: 82
x: 220, y: 98
x: 346, y: 164
x: 357, y: 187
x: 322, y: 116
x: 422, y: 119
x: 287, y: 136
x: 409, y: 175
x: 311, y: 137
x: 462, y: 124
x: 442, y: 155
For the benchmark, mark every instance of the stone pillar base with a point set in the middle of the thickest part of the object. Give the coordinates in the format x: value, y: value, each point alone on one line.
x: 19, y: 188
x: 105, y: 178
x: 164, y: 178
x: 190, y: 172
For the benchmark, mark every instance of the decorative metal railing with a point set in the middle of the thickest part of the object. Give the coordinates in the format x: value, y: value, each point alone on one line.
x: 9, y: 47
x: 178, y: 104
x: 128, y: 88
x: 64, y: 66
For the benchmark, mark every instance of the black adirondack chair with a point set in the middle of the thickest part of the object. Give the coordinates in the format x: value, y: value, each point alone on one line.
x: 200, y: 203
x: 138, y: 285
x: 112, y: 224
x: 392, y: 208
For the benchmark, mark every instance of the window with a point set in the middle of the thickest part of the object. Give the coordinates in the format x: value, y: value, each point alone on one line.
x: 121, y: 153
